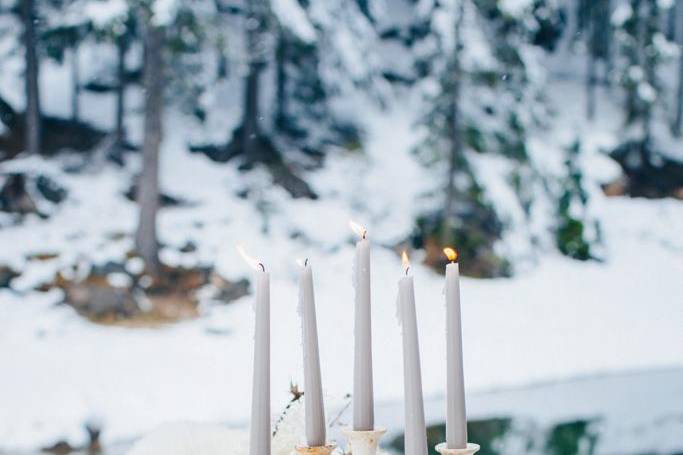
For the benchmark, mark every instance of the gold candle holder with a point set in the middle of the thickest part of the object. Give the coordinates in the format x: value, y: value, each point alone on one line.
x: 320, y: 450
x: 363, y: 442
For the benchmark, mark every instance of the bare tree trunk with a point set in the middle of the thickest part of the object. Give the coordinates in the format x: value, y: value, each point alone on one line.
x: 75, y: 84
x: 121, y: 47
x: 33, y: 127
x: 280, y: 82
x: 250, y: 128
x: 678, y: 121
x: 590, y: 86
x: 455, y: 129
x: 146, y: 241
x: 255, y: 27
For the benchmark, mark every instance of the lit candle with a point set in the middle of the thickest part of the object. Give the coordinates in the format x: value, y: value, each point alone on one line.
x: 260, y: 432
x: 313, y: 392
x: 415, y: 442
x: 456, y: 420
x: 363, y: 402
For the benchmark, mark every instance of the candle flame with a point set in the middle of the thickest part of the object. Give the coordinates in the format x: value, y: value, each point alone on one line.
x: 450, y: 253
x: 405, y: 261
x: 358, y: 229
x: 253, y: 262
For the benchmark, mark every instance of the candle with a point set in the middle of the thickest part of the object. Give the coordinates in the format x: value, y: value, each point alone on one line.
x: 415, y: 442
x: 313, y: 392
x: 456, y: 420
x: 260, y: 432
x: 363, y: 402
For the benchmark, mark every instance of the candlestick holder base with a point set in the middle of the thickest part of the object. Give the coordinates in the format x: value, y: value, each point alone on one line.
x: 363, y: 442
x: 320, y: 450
x: 469, y: 450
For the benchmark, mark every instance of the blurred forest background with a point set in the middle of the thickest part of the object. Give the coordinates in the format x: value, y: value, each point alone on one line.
x: 141, y: 139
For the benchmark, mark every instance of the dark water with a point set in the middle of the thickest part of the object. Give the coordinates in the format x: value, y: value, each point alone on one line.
x: 494, y: 435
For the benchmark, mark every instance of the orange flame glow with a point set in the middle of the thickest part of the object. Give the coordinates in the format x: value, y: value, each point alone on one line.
x: 358, y: 229
x: 450, y: 253
x: 405, y: 261
x: 253, y: 262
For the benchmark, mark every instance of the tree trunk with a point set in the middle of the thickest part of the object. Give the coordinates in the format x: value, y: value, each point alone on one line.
x: 678, y: 121
x: 281, y: 82
x: 590, y: 87
x: 121, y: 47
x: 146, y: 241
x: 455, y: 129
x: 591, y: 51
x: 250, y: 129
x: 255, y: 28
x: 75, y: 84
x: 33, y: 127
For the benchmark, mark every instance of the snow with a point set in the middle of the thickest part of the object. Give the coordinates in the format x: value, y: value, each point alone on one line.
x: 560, y: 319
x: 514, y: 7
x: 556, y: 319
x: 102, y: 13
x: 294, y: 17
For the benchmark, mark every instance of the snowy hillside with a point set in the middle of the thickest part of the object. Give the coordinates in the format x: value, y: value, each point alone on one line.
x: 427, y: 122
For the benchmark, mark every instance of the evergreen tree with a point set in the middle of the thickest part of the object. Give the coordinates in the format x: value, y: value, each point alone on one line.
x: 641, y: 58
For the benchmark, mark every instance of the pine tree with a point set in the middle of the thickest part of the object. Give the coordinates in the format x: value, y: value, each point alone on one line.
x: 641, y: 65
x: 455, y: 131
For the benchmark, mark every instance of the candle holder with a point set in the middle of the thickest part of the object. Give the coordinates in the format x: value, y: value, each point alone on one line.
x: 363, y: 442
x: 320, y: 450
x: 469, y: 450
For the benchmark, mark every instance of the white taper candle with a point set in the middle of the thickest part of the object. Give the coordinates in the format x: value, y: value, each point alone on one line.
x: 415, y: 439
x: 456, y: 420
x: 363, y: 401
x: 313, y: 393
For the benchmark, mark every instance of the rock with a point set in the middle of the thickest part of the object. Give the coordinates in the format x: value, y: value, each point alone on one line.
x: 649, y: 173
x: 228, y: 291
x: 98, y: 300
x: 7, y: 274
x: 14, y: 196
x: 59, y: 448
x: 50, y: 189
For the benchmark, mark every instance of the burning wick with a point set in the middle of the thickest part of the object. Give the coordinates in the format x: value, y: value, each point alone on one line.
x: 405, y: 261
x: 450, y: 253
x: 254, y: 263
x: 358, y: 229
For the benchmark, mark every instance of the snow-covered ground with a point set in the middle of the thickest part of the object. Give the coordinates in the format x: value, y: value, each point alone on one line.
x: 556, y: 319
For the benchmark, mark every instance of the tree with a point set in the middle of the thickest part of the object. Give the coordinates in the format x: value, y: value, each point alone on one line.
x: 33, y: 112
x: 455, y: 154
x: 678, y: 121
x: 146, y: 241
x: 255, y: 29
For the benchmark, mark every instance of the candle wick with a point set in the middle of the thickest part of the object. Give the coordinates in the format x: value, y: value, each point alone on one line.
x: 305, y: 262
x: 263, y: 268
x: 407, y: 268
x: 364, y: 234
